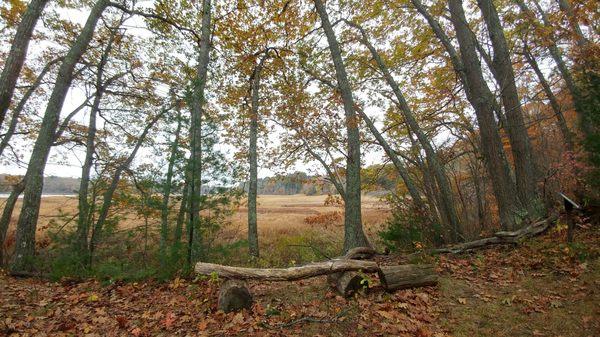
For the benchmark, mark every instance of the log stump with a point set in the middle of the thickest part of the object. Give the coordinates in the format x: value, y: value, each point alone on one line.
x: 346, y: 283
x: 407, y: 276
x: 234, y: 296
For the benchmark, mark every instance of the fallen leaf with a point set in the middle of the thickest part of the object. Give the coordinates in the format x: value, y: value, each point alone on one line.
x: 202, y: 325
x: 137, y: 332
x: 122, y: 321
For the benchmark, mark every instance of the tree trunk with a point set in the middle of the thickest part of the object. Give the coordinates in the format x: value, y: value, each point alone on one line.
x: 253, y: 158
x: 16, y: 56
x: 164, y: 215
x: 197, y: 106
x: 9, y: 207
x: 447, y: 202
x: 566, y: 7
x: 515, y: 127
x: 347, y: 283
x: 234, y: 296
x: 110, y: 191
x: 480, y: 192
x: 16, y: 112
x: 481, y: 98
x: 407, y: 276
x: 90, y: 147
x: 402, y: 171
x: 26, y: 226
x: 181, y: 218
x: 84, y: 205
x: 560, y: 118
x: 354, y: 235
x: 287, y: 274
x: 551, y: 43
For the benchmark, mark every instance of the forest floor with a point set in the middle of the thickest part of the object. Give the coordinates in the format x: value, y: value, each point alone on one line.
x: 540, y: 288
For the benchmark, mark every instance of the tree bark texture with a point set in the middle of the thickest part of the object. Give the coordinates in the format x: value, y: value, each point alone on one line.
x: 234, y: 296
x: 197, y: 110
x: 26, y: 226
x: 483, y: 100
x: 515, y: 127
x: 447, y: 203
x: 407, y: 276
x: 164, y: 216
x: 253, y: 157
x: 16, y: 56
x: 354, y: 235
x: 287, y: 274
x: 560, y: 118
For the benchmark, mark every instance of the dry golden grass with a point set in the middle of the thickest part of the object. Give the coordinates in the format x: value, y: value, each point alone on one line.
x: 284, y: 215
x: 279, y: 216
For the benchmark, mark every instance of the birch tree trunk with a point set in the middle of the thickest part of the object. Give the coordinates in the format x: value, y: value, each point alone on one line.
x: 354, y: 235
x: 26, y: 226
x: 16, y: 56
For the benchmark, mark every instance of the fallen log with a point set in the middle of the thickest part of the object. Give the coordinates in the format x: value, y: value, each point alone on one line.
x: 349, y: 282
x: 234, y: 296
x: 287, y: 274
x: 346, y: 274
x: 346, y: 283
x: 407, y: 276
x: 359, y: 253
x: 502, y: 237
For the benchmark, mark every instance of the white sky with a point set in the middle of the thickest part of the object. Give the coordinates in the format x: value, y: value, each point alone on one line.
x: 70, y: 165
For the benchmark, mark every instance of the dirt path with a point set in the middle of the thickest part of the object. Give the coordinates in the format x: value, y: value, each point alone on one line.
x: 541, y: 288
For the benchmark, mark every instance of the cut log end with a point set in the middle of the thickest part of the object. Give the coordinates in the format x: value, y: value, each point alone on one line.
x: 407, y: 276
x: 234, y: 296
x: 346, y: 283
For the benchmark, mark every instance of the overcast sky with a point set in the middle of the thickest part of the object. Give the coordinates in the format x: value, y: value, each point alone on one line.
x: 70, y: 164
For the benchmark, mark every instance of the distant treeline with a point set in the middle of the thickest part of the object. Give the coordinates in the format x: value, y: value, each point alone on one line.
x: 52, y: 184
x: 294, y: 183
